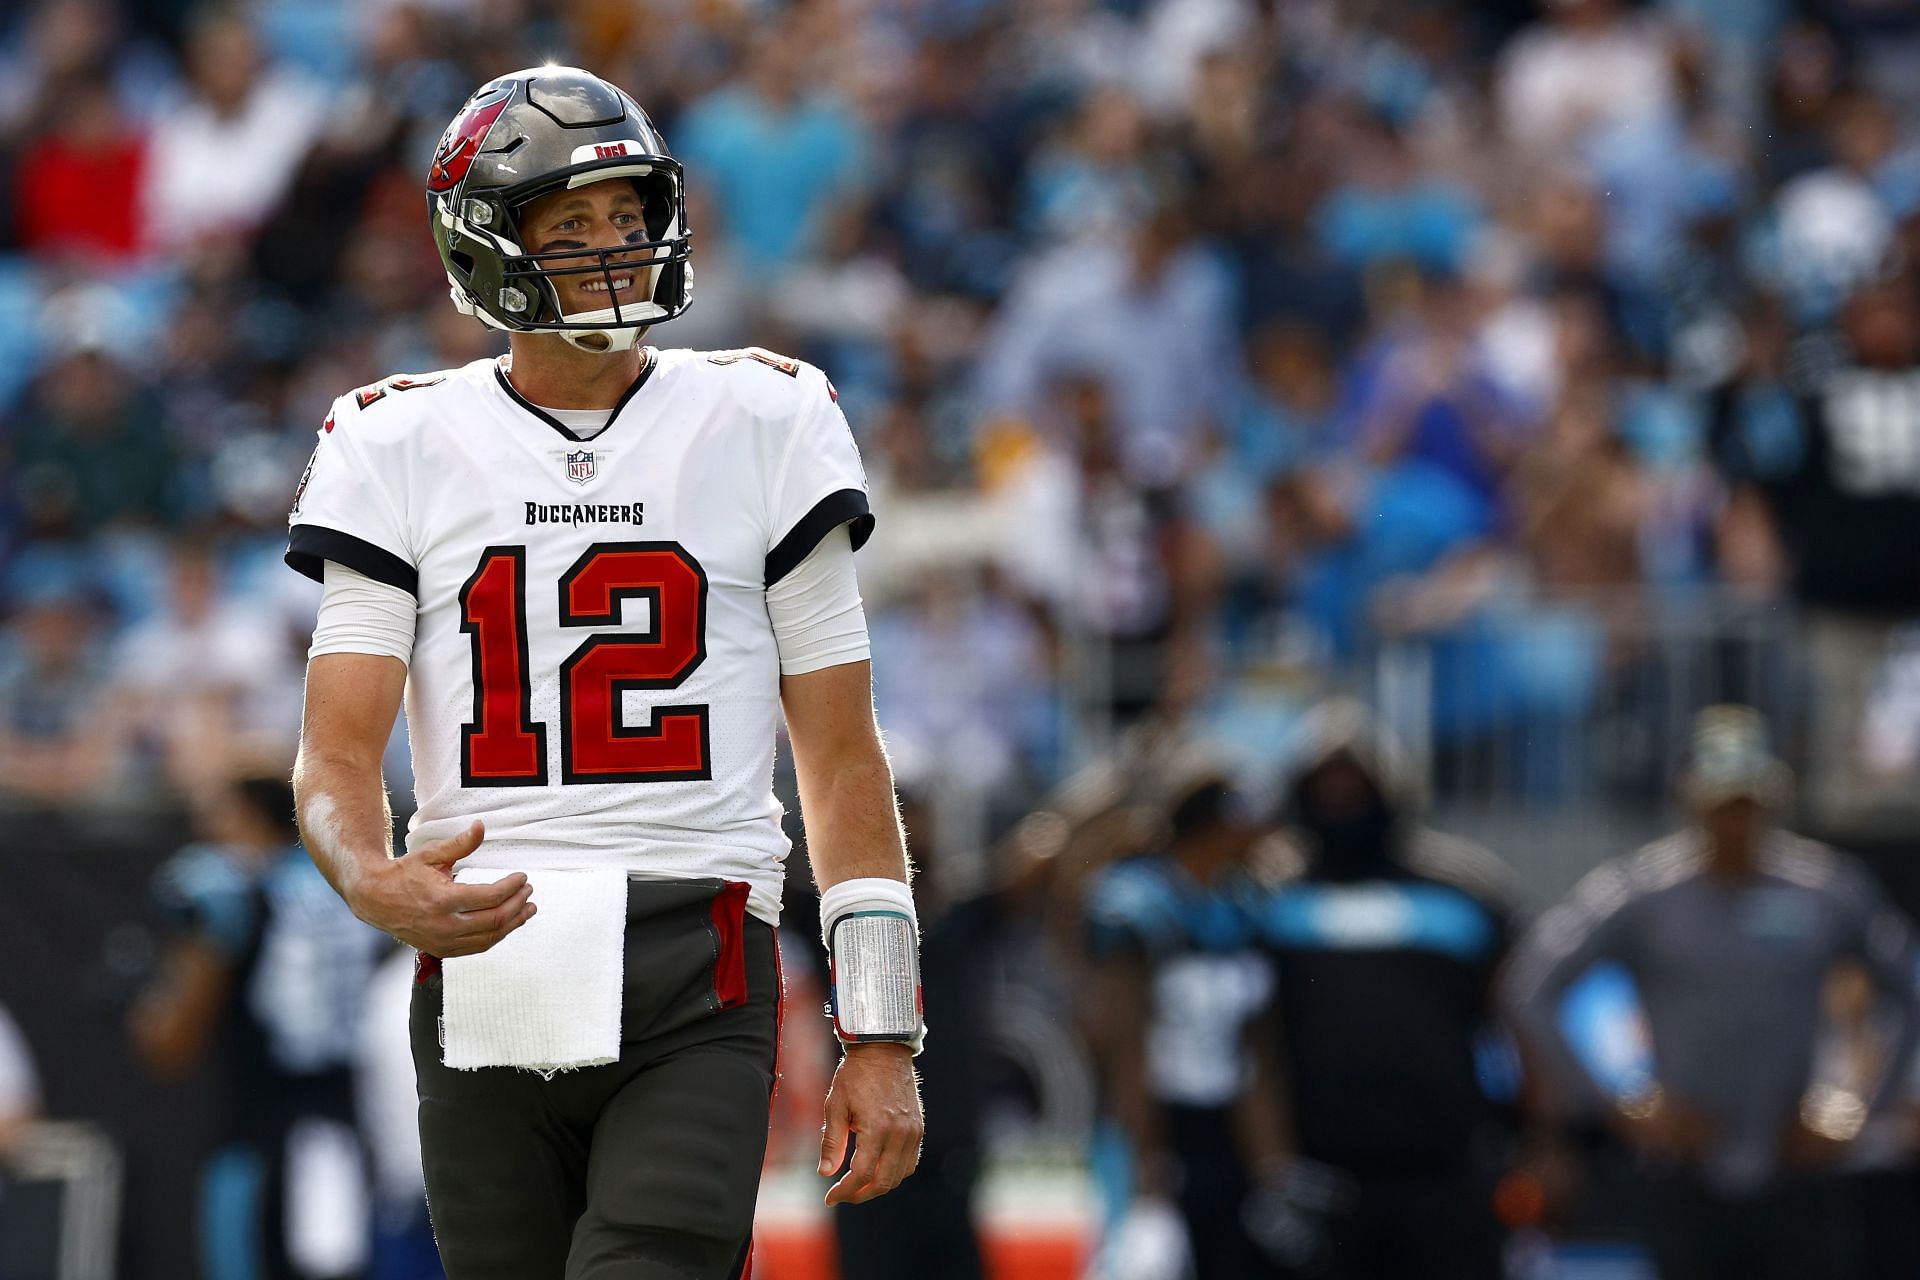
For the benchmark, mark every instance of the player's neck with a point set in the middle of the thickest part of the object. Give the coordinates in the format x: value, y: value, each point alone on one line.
x: 557, y: 375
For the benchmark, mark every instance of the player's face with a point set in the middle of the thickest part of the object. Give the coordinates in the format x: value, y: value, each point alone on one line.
x: 600, y: 215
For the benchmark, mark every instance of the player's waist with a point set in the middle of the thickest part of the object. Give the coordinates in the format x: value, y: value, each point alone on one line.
x: 760, y: 865
x: 637, y: 854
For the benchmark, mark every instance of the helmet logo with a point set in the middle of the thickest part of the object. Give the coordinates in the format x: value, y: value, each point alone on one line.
x: 619, y: 149
x: 461, y: 143
x: 580, y: 466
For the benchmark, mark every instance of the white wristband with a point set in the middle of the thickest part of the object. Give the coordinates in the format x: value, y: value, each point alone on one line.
x: 873, y: 962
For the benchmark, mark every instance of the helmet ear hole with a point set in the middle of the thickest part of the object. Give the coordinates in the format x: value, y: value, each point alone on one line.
x: 464, y: 261
x: 656, y: 193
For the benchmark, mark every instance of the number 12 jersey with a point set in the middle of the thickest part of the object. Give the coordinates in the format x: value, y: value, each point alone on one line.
x: 594, y: 673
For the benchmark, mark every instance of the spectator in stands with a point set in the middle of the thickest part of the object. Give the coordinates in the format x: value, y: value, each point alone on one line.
x: 1821, y: 457
x: 1835, y: 224
x: 59, y: 45
x: 1092, y: 181
x: 262, y: 976
x: 1580, y: 501
x: 1378, y: 1143
x: 194, y: 673
x: 1832, y: 458
x: 781, y: 153
x: 1730, y: 931
x: 61, y: 739
x: 1387, y: 210
x: 1094, y: 307
x: 222, y: 159
x: 1174, y: 983
x: 1586, y: 62
x: 1422, y: 394
x: 962, y: 677
x: 1234, y: 557
x: 1097, y: 546
x: 1805, y: 79
x: 76, y: 187
x: 88, y: 454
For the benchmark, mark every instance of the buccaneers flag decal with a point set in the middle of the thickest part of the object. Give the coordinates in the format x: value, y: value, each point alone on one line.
x: 461, y: 143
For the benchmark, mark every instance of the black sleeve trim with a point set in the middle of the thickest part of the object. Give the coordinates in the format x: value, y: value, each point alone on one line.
x: 847, y: 506
x: 309, y: 546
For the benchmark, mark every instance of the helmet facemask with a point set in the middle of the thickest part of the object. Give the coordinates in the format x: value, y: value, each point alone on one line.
x: 536, y: 283
x: 511, y: 289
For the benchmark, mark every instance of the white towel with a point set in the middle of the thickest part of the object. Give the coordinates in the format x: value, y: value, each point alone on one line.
x: 547, y: 996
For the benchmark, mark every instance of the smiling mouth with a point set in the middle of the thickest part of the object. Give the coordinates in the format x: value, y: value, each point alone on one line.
x: 621, y: 284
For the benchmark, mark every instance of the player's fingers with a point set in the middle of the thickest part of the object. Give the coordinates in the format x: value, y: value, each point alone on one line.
x: 444, y: 853
x: 902, y: 1155
x: 494, y: 919
x: 462, y: 897
x: 858, y: 1184
x: 484, y: 896
x: 833, y: 1135
x: 899, y: 1143
x: 474, y: 943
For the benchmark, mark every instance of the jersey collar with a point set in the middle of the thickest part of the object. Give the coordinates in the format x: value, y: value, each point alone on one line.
x: 650, y: 361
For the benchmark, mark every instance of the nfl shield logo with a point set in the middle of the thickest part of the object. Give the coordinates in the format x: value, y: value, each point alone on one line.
x: 580, y: 466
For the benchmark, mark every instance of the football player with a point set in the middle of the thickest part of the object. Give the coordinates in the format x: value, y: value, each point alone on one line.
x: 1176, y: 981
x: 600, y: 572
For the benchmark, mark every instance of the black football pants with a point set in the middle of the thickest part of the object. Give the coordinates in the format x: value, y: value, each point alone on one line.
x: 644, y: 1169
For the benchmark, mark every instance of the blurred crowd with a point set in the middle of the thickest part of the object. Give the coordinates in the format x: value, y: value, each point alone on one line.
x: 1199, y: 352
x: 1180, y: 336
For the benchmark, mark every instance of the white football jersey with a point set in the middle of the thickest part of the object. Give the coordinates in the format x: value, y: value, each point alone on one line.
x: 594, y: 673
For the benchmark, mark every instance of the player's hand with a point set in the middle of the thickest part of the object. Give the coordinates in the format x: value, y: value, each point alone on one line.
x: 416, y: 899
x: 1806, y: 1149
x: 1663, y: 1127
x: 1149, y: 1242
x: 874, y: 1097
x: 1823, y: 1132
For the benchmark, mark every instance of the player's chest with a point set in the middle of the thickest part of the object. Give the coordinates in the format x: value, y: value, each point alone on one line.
x: 1734, y: 937
x: 552, y: 511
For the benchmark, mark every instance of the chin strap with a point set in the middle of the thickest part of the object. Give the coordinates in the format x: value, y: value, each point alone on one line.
x: 624, y: 328
x: 602, y: 342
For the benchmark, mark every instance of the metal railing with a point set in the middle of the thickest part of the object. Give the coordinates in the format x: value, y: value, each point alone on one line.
x: 1555, y: 732
x: 65, y: 1219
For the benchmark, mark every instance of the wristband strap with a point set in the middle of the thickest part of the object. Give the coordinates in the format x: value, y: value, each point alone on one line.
x: 873, y: 962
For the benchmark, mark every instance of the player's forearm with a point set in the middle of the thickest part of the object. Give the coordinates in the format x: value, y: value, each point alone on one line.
x: 1890, y: 1089
x: 1566, y: 1088
x: 1119, y: 1041
x: 345, y: 822
x: 852, y: 818
x: 339, y: 796
x: 1262, y: 1124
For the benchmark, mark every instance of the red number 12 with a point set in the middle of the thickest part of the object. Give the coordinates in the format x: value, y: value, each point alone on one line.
x: 504, y: 746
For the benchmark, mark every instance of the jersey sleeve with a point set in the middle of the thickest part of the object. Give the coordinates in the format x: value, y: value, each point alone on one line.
x: 346, y: 511
x: 819, y: 484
